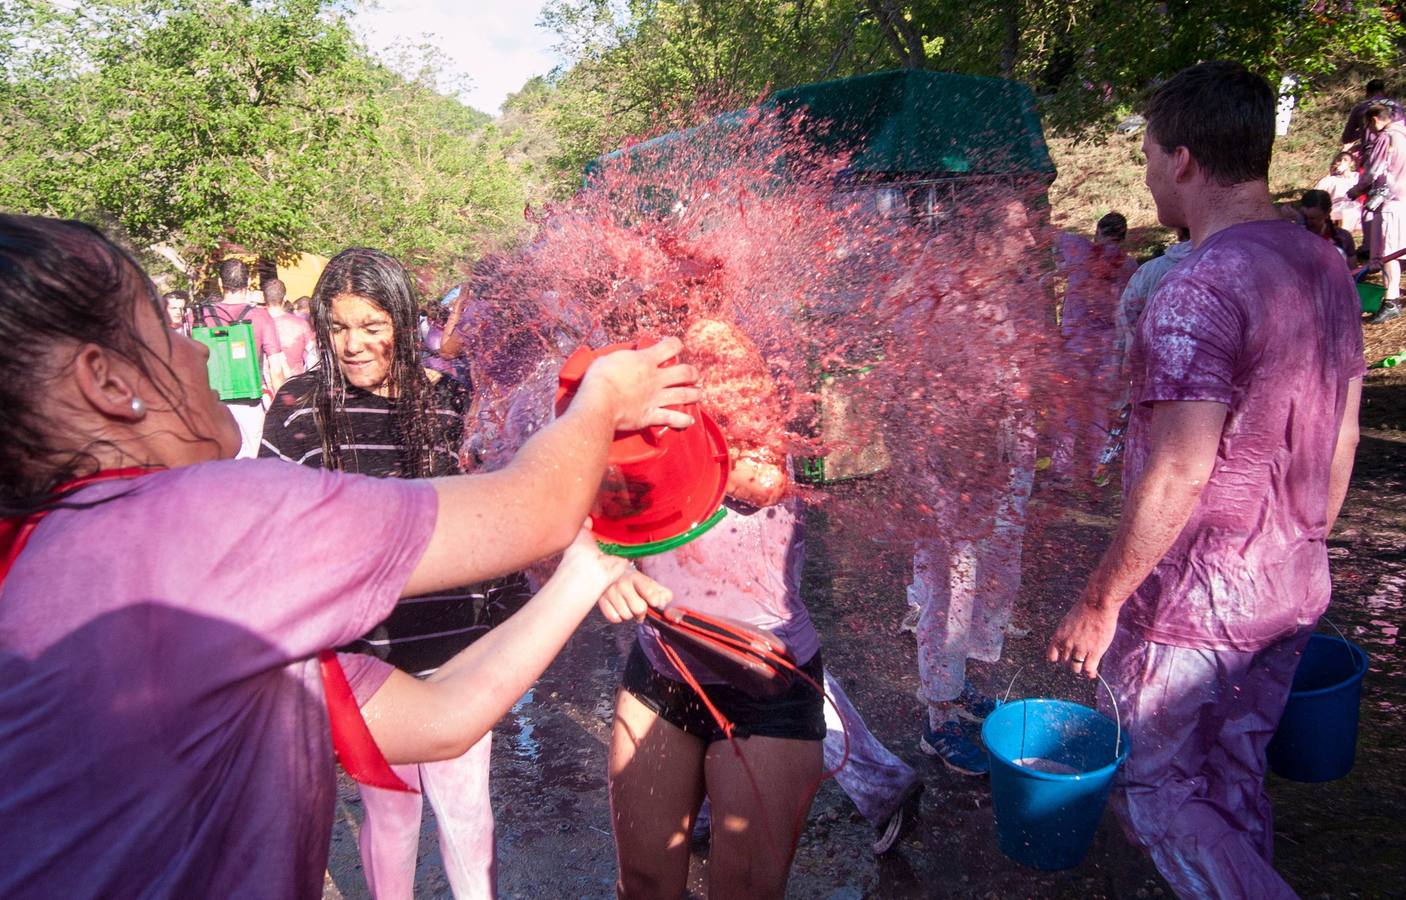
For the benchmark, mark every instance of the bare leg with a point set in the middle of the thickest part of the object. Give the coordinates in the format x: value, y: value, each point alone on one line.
x: 656, y: 784
x: 755, y: 824
x: 458, y: 792
x: 390, y: 837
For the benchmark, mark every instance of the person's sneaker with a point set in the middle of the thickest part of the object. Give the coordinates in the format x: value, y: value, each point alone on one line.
x: 910, y: 620
x: 702, y: 834
x: 973, y: 705
x: 950, y: 744
x: 1387, y: 312
x: 901, y: 822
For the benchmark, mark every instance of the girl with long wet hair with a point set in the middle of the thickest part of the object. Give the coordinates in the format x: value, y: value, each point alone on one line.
x: 162, y: 640
x: 391, y: 368
x: 374, y: 411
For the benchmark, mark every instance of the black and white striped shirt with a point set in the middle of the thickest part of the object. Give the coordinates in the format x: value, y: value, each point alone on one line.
x: 423, y: 632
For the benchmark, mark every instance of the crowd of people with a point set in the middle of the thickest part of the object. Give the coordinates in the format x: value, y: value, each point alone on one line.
x: 174, y: 671
x: 1360, y: 205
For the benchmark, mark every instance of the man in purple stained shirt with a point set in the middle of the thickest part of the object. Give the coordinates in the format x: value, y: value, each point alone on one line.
x: 1247, y: 373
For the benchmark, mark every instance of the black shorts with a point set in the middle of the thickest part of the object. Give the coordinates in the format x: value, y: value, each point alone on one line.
x: 798, y: 714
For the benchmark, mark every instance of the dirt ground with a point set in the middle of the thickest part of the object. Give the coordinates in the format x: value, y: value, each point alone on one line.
x: 1339, y: 839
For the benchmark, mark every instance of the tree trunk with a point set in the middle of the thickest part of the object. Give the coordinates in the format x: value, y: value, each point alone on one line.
x: 900, y: 34
x: 1010, y: 50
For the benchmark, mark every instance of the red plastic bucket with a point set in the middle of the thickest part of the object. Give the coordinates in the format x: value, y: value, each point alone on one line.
x: 662, y: 486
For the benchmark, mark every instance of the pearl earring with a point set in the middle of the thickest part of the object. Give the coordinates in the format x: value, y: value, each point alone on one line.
x: 138, y: 407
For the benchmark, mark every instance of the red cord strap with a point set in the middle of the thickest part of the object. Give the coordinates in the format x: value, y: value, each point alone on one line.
x: 745, y: 650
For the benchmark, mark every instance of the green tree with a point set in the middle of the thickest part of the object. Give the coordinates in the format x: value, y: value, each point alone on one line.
x: 190, y: 124
x: 638, y: 66
x: 195, y: 121
x: 433, y: 185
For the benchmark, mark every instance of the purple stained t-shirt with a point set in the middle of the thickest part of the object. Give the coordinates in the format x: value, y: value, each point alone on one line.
x: 162, y: 723
x: 747, y: 567
x: 1262, y: 317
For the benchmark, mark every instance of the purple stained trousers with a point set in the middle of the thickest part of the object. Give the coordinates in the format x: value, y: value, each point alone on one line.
x: 874, y: 778
x: 964, y: 590
x: 1192, y: 789
x: 390, y: 833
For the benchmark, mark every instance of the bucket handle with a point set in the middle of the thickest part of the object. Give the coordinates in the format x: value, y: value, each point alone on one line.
x: 1347, y: 645
x: 1117, y: 716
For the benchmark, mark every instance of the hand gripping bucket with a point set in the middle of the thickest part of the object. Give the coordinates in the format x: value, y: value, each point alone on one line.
x: 1317, y: 735
x: 663, y: 486
x: 1052, y: 764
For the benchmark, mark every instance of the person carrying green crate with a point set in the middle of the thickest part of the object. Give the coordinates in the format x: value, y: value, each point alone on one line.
x: 266, y: 369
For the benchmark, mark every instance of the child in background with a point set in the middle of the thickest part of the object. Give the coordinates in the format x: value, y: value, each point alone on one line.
x: 1341, y: 177
x: 1317, y: 207
x: 370, y: 408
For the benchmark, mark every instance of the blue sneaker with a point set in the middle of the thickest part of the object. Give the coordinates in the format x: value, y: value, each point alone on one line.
x: 973, y: 705
x: 950, y: 744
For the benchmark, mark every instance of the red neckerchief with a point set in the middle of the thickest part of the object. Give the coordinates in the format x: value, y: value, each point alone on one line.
x: 351, y: 740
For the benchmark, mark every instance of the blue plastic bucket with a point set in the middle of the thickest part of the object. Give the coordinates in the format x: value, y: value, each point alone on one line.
x: 1047, y: 814
x: 1317, y: 735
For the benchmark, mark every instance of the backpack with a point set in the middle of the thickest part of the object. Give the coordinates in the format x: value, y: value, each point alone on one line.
x: 234, y: 358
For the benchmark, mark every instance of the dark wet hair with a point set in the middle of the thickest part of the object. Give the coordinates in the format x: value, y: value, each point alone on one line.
x: 1377, y: 111
x: 380, y: 279
x: 1317, y: 199
x: 1344, y: 155
x: 1115, y: 225
x: 275, y: 292
x: 182, y: 296
x: 234, y: 274
x: 1223, y: 114
x: 1376, y: 86
x: 61, y: 283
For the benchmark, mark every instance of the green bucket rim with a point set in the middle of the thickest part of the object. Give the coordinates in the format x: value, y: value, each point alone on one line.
x: 635, y: 551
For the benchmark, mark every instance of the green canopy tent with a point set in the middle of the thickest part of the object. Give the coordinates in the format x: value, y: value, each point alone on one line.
x: 910, y: 122
x: 920, y: 145
x: 922, y: 133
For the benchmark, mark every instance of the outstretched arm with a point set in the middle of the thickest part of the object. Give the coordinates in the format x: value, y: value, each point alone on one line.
x: 445, y: 715
x: 498, y: 522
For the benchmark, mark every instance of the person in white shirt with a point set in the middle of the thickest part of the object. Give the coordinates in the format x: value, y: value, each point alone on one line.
x: 1143, y: 283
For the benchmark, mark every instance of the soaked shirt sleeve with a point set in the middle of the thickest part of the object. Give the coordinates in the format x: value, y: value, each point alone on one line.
x: 1189, y: 339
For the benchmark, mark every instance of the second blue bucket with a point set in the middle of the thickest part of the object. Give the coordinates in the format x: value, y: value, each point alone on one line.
x: 1052, y: 764
x: 1317, y: 735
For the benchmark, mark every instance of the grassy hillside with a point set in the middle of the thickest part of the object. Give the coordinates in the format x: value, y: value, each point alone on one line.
x: 1097, y: 177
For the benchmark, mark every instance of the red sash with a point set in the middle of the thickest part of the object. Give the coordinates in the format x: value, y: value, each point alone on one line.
x: 351, y: 740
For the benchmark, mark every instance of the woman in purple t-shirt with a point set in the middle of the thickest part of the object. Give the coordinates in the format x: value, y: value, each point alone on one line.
x: 160, y: 697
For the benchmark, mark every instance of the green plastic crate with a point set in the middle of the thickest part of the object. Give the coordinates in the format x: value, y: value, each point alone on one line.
x: 234, y: 360
x: 1371, y: 296
x: 842, y: 418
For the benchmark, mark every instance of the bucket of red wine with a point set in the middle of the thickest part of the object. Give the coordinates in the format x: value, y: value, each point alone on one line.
x: 663, y: 487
